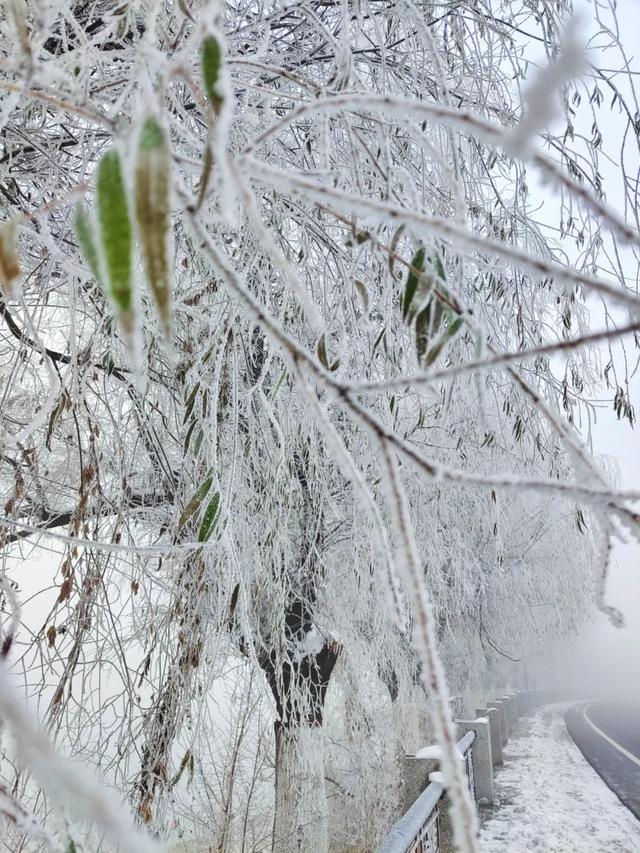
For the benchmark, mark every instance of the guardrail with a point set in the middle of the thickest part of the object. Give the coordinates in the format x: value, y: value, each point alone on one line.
x: 417, y: 831
x: 425, y: 826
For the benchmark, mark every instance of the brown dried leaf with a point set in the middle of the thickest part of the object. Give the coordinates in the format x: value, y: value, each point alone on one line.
x: 65, y: 590
x: 9, y: 264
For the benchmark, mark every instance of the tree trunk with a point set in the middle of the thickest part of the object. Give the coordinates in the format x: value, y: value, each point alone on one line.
x: 299, y: 687
x: 301, y: 814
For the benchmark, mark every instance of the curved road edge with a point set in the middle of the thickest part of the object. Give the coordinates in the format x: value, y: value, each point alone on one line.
x: 618, y: 767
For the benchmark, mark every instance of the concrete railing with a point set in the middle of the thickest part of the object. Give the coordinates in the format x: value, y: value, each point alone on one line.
x: 418, y: 828
x: 423, y: 827
x: 425, y: 824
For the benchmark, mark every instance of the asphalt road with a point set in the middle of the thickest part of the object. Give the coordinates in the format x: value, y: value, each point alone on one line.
x: 608, y: 735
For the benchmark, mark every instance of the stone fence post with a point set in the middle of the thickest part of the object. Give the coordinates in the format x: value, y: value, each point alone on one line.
x: 500, y: 707
x: 415, y: 775
x: 481, y: 755
x: 493, y: 715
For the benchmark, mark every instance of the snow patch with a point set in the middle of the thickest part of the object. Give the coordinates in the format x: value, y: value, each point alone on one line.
x: 551, y: 800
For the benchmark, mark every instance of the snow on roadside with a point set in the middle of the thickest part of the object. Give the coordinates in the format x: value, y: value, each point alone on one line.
x: 549, y: 799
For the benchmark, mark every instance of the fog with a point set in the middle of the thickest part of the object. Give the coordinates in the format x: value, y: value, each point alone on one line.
x: 603, y: 660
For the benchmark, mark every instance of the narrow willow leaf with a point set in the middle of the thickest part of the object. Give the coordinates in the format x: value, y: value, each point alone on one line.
x: 197, y: 445
x: 279, y: 383
x: 84, y: 231
x: 423, y: 332
x: 194, y: 504
x: 438, y: 265
x: 363, y: 295
x: 207, y: 167
x: 234, y: 601
x: 378, y: 341
x: 62, y: 404
x: 454, y: 327
x: 9, y: 263
x: 411, y: 286
x: 211, y: 59
x: 116, y: 234
x: 152, y: 179
x: 187, y: 440
x: 185, y: 10
x: 183, y: 765
x: 435, y: 350
x: 429, y: 355
x: 321, y: 351
x: 190, y: 402
x: 210, y: 518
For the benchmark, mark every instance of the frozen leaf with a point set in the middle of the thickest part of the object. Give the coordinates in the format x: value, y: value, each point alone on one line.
x: 363, y: 295
x: 116, y: 235
x: 85, y: 235
x: 194, y: 504
x: 321, y: 351
x: 411, y: 286
x: 211, y: 59
x: 152, y: 177
x: 210, y: 518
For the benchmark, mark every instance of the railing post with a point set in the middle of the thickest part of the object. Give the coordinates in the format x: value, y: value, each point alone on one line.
x: 500, y: 706
x: 493, y: 715
x: 515, y: 707
x: 415, y: 778
x: 481, y: 756
x: 511, y: 716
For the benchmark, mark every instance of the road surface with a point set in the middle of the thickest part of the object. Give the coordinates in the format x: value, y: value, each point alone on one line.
x: 608, y: 735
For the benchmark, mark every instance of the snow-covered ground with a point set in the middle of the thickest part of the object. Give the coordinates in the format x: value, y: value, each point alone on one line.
x: 550, y: 800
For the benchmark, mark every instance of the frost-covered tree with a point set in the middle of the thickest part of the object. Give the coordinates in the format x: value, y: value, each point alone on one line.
x: 294, y: 377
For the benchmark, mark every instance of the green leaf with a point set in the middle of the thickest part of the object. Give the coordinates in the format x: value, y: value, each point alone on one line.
x: 190, y: 402
x: 210, y: 518
x: 454, y: 327
x: 152, y: 135
x: 211, y: 59
x: 278, y: 384
x: 84, y: 231
x: 116, y: 233
x: 198, y: 443
x: 194, y: 504
x: 152, y: 185
x: 411, y: 286
x: 437, y: 263
x: 429, y: 355
x: 71, y: 847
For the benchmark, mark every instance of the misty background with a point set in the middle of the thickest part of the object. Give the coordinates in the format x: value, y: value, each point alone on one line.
x: 603, y: 660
